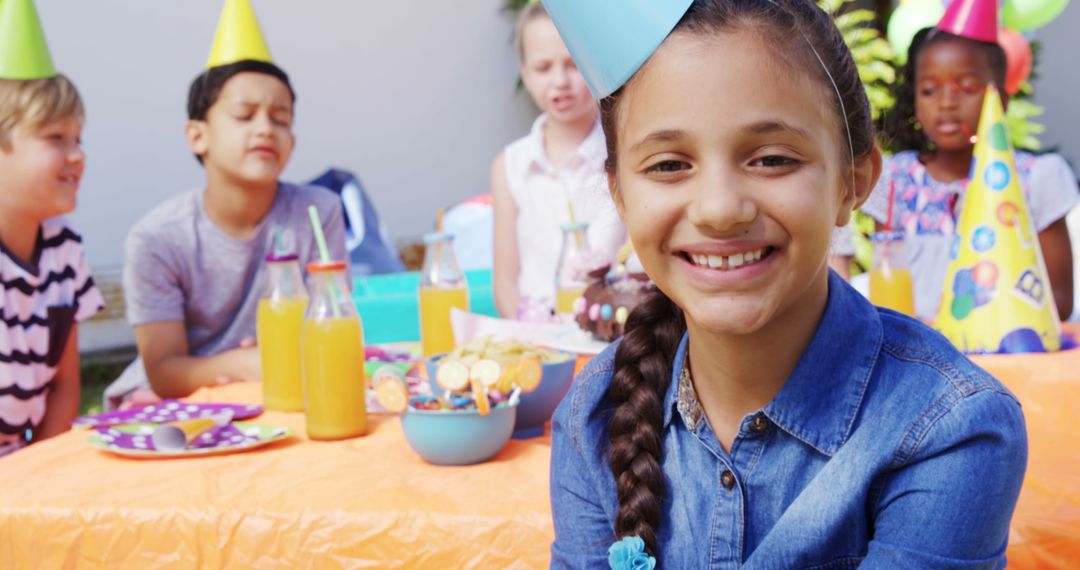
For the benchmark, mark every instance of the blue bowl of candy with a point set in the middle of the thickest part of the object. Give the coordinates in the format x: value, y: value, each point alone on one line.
x: 536, y: 407
x: 457, y: 436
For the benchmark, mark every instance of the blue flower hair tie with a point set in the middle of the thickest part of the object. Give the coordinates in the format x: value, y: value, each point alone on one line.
x: 629, y: 554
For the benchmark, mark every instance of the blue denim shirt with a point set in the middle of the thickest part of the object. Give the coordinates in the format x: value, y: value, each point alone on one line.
x: 885, y: 448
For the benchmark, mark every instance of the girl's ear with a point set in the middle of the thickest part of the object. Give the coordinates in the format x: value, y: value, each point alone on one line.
x: 867, y: 171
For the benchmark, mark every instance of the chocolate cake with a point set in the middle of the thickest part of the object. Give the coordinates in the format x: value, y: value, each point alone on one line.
x: 608, y: 300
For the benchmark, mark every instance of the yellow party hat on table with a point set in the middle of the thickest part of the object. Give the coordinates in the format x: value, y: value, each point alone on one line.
x: 238, y: 36
x: 23, y: 51
x: 997, y: 294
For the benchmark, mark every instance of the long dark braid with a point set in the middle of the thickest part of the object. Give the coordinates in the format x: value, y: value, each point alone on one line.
x: 642, y: 375
x: 643, y: 362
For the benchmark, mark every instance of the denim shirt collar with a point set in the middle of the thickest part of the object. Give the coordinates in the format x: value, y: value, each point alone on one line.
x: 820, y: 400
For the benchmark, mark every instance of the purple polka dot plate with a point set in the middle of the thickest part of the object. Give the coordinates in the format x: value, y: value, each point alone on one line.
x: 166, y: 411
x: 134, y: 440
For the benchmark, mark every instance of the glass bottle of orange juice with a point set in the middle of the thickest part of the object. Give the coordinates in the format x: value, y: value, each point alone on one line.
x: 890, y: 276
x: 571, y: 270
x: 442, y: 287
x: 277, y: 325
x: 332, y: 357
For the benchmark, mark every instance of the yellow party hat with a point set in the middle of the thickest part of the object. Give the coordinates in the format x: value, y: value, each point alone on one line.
x: 238, y: 36
x: 997, y: 294
x: 23, y: 51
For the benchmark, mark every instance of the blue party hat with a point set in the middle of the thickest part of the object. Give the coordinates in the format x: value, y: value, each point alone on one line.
x: 610, y: 40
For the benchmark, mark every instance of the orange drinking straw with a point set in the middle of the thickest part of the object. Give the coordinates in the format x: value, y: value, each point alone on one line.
x: 439, y: 220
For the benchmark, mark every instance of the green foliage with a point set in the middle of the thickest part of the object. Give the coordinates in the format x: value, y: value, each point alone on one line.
x: 878, y: 70
x: 872, y: 52
x: 1019, y: 118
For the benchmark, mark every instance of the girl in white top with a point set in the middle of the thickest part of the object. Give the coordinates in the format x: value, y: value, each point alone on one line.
x: 538, y: 178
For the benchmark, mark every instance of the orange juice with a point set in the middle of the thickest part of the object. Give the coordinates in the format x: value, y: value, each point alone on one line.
x: 334, y: 385
x: 436, y: 336
x: 892, y: 289
x: 564, y: 300
x: 278, y: 326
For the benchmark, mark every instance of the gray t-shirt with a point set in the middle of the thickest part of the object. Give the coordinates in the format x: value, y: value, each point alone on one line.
x: 179, y: 266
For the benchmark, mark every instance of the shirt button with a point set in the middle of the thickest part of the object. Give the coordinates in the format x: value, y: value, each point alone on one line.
x: 727, y: 479
x: 759, y: 424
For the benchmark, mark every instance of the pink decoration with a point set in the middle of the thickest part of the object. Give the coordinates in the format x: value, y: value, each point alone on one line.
x: 972, y: 19
x: 1018, y: 59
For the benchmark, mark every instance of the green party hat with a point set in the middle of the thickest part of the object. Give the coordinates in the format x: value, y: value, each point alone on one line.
x: 23, y: 51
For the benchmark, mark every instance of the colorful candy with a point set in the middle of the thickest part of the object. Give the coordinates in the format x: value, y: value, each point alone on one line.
x: 487, y: 371
x: 391, y: 388
x: 452, y: 375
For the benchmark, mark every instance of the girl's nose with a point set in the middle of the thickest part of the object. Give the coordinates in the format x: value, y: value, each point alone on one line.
x: 562, y: 75
x: 950, y: 95
x: 722, y: 205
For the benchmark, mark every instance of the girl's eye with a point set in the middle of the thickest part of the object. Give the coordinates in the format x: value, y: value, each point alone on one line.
x: 774, y: 161
x: 668, y: 166
x: 972, y: 86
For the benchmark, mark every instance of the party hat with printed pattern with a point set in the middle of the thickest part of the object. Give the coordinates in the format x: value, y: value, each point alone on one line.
x: 997, y: 296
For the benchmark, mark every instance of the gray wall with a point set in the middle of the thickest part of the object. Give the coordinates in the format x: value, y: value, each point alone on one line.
x: 416, y: 96
x: 1058, y: 86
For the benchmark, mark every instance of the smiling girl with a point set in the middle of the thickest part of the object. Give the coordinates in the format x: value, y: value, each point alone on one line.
x: 759, y: 412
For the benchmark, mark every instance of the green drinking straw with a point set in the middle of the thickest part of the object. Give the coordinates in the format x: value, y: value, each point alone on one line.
x: 279, y: 241
x: 324, y: 253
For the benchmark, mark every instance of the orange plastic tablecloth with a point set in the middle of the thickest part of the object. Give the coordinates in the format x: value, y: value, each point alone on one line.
x: 372, y: 502
x: 365, y: 502
x: 1045, y: 530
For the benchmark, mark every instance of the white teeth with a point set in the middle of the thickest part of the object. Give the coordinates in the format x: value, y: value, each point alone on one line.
x: 728, y: 262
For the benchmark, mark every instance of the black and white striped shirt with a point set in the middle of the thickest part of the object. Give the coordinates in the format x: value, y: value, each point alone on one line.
x: 40, y: 302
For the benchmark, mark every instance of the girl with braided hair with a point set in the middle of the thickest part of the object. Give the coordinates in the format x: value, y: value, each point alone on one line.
x: 758, y: 411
